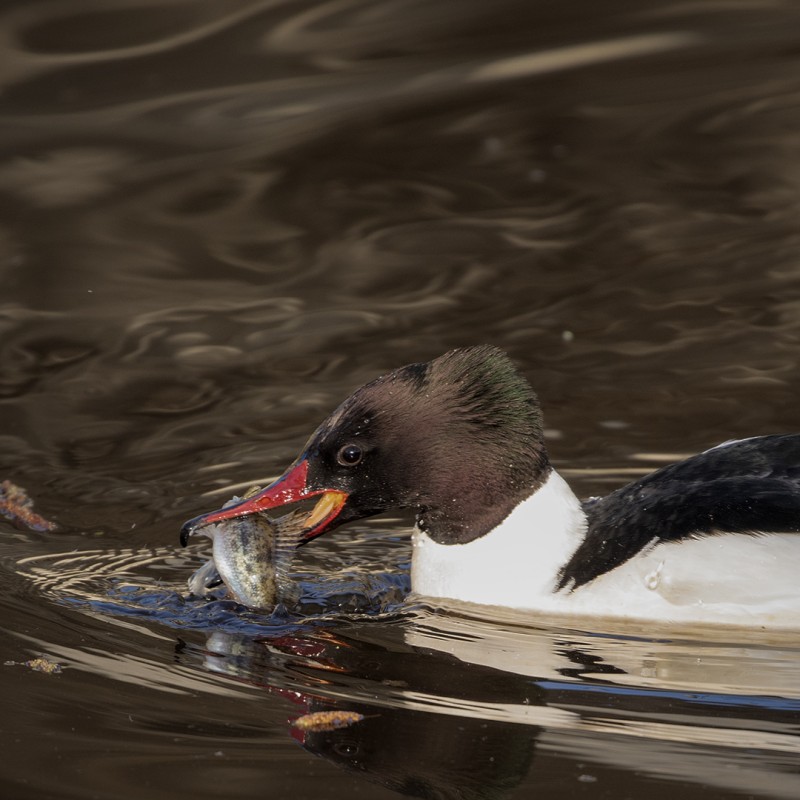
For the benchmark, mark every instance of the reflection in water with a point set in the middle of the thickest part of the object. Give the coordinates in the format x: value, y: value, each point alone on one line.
x: 437, y: 725
x: 217, y: 219
x: 431, y: 755
x: 456, y: 706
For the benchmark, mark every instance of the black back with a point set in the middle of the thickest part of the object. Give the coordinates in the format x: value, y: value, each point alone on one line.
x: 748, y: 486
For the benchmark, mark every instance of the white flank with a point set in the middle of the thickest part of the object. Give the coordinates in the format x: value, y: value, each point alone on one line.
x: 735, y: 579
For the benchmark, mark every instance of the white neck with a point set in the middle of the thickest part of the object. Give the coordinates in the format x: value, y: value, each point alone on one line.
x: 516, y: 564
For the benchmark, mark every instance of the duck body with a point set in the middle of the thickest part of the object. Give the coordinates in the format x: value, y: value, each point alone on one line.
x: 711, y: 539
x: 701, y: 575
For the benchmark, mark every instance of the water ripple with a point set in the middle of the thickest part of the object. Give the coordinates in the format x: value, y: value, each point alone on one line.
x: 76, y: 32
x: 136, y: 582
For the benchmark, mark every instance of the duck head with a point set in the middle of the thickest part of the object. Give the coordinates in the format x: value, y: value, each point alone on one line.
x: 457, y: 439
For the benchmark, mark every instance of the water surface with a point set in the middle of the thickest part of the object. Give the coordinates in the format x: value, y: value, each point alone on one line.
x: 216, y: 220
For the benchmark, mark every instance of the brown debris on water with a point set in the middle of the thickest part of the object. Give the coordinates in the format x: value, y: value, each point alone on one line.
x: 40, y: 664
x: 321, y: 721
x: 17, y: 506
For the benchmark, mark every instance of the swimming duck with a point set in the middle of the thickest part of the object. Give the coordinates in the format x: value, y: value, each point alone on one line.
x: 459, y: 440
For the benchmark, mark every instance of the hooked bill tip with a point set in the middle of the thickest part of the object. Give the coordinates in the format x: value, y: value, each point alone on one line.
x: 188, y: 528
x: 186, y: 532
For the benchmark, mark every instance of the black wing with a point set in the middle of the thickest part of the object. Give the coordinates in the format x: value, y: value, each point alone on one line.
x: 745, y: 487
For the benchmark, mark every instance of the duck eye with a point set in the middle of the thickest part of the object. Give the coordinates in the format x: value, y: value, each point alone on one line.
x: 349, y: 455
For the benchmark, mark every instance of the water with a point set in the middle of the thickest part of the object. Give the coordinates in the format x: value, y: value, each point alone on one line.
x: 216, y: 220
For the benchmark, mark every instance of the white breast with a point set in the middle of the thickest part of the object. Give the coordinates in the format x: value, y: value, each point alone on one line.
x: 722, y: 579
x: 515, y: 564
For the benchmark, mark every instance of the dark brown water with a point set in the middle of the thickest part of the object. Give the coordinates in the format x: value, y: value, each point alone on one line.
x: 217, y: 219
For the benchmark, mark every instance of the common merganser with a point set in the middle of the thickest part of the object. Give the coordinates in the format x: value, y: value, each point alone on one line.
x: 459, y: 440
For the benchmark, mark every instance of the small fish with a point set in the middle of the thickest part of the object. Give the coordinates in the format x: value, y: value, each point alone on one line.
x: 251, y: 556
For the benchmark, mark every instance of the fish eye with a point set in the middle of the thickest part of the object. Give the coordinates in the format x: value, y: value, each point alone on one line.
x: 350, y: 455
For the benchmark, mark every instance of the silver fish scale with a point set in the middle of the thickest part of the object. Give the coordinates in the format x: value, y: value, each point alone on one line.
x: 244, y: 552
x: 251, y: 555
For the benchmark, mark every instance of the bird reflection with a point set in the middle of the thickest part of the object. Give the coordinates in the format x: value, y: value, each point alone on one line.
x: 409, y: 750
x: 438, y: 726
x: 432, y: 756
